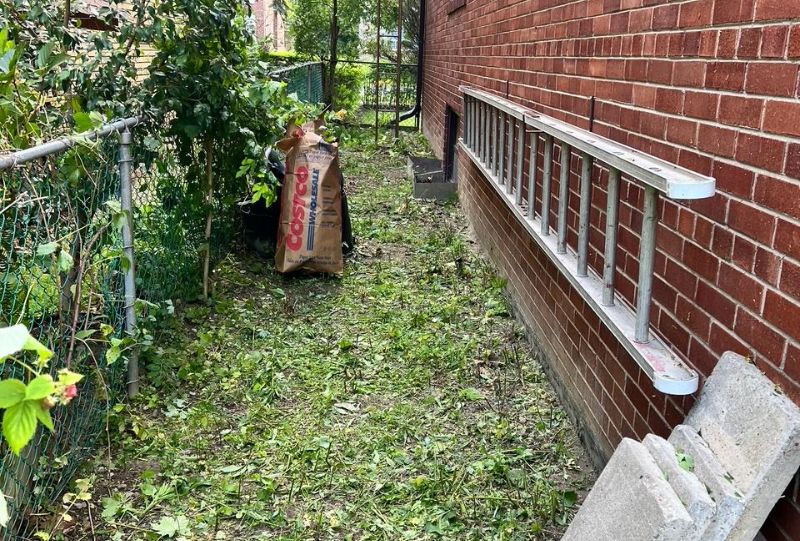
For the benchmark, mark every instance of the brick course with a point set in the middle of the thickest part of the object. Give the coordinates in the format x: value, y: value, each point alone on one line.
x: 712, y: 85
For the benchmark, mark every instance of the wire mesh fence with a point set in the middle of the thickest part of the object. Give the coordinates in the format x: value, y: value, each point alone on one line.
x: 384, y: 96
x: 62, y: 277
x: 62, y: 264
x: 304, y: 80
x: 370, y: 92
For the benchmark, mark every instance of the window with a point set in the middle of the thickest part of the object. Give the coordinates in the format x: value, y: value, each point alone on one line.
x: 451, y: 121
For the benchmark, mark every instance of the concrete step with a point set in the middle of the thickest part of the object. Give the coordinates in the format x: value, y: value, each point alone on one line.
x: 754, y: 432
x: 741, y: 443
x: 689, y: 489
x: 631, y: 500
x: 717, y: 481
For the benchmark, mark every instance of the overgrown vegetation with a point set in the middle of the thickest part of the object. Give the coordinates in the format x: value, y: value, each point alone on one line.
x: 350, y: 80
x: 208, y: 108
x: 400, y: 402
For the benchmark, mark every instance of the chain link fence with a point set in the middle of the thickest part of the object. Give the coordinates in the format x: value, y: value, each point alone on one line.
x: 304, y: 80
x: 63, y: 266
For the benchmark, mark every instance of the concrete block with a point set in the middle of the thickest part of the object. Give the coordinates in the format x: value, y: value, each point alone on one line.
x: 717, y: 480
x: 440, y: 191
x: 690, y: 490
x: 631, y: 500
x: 754, y: 431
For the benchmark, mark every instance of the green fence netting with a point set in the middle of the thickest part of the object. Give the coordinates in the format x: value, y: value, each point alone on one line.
x: 70, y: 198
x: 169, y: 225
x: 67, y: 199
x: 304, y: 80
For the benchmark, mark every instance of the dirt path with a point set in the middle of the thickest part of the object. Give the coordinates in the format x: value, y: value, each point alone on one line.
x: 398, y: 402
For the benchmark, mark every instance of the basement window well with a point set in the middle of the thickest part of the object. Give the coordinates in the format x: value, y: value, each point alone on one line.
x: 451, y: 121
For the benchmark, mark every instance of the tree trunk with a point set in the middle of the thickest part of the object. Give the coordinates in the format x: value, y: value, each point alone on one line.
x: 209, y: 216
x: 334, y: 53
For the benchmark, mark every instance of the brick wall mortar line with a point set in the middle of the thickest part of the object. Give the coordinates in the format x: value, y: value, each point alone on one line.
x: 712, y: 285
x: 645, y: 84
x: 494, y: 15
x: 629, y: 107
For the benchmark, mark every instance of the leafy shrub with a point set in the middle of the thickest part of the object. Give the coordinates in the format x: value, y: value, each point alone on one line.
x: 281, y: 59
x: 350, y: 80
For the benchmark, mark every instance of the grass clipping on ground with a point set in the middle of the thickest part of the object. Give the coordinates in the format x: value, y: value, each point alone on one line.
x: 398, y: 402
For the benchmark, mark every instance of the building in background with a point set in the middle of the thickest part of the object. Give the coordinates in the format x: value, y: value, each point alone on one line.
x: 270, y: 24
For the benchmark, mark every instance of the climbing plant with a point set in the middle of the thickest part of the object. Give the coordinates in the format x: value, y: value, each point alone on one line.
x: 28, y: 404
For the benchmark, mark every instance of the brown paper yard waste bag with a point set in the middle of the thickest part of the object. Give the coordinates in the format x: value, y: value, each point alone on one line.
x: 310, y: 227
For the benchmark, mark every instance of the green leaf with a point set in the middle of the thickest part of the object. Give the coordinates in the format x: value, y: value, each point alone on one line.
x: 64, y: 261
x: 118, y: 220
x: 65, y: 377
x: 19, y: 425
x: 12, y: 392
x: 111, y: 507
x: 569, y: 498
x: 40, y: 387
x: 44, y: 54
x: 17, y: 338
x: 171, y: 526
x: 470, y: 393
x: 84, y: 334
x: 44, y: 417
x: 152, y: 143
x: 46, y: 249
x: 6, y: 60
x: 191, y: 130
x: 83, y: 122
x: 113, y: 354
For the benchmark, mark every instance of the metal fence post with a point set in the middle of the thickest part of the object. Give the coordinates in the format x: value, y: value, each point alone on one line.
x: 308, y: 83
x: 127, y: 241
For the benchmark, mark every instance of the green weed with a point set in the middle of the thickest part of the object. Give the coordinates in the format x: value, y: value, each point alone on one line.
x: 398, y: 402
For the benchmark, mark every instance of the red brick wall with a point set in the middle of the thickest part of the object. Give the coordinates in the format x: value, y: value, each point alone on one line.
x: 712, y: 85
x: 267, y: 21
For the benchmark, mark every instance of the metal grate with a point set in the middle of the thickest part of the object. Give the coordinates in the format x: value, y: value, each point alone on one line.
x: 497, y: 137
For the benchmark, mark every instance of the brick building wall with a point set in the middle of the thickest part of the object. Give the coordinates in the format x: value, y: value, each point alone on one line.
x: 269, y: 24
x: 712, y: 85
